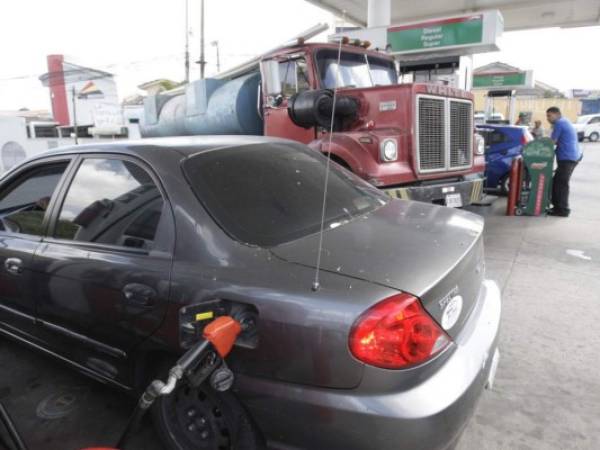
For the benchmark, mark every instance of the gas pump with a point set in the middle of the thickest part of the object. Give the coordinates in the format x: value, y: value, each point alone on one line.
x: 531, y: 179
x: 490, y: 110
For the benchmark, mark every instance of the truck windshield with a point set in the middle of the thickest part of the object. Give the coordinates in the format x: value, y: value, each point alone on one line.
x: 271, y: 193
x: 356, y: 70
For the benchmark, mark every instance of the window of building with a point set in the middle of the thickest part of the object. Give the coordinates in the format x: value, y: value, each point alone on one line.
x: 45, y: 131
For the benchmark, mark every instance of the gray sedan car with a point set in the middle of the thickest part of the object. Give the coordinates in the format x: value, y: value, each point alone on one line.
x: 114, y: 256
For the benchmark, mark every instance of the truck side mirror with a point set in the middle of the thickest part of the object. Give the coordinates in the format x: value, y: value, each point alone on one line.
x: 272, y: 79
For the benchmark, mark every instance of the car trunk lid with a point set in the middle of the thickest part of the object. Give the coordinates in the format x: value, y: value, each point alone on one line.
x: 432, y: 252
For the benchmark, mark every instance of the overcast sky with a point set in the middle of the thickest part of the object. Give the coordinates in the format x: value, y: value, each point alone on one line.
x: 140, y: 40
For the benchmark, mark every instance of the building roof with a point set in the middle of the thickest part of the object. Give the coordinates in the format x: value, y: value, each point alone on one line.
x: 153, y: 83
x: 499, y: 66
x: 163, y: 84
x: 135, y: 99
x: 75, y: 72
x: 41, y: 115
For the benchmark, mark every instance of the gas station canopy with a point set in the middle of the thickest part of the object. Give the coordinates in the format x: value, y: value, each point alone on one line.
x: 518, y: 14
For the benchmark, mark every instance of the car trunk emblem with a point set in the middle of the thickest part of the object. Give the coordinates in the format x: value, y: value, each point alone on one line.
x: 451, y: 306
x: 452, y: 312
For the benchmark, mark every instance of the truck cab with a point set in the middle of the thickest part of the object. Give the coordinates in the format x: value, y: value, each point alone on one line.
x: 415, y: 141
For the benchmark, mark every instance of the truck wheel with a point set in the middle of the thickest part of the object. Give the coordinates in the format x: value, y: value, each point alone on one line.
x: 594, y: 137
x: 204, y: 419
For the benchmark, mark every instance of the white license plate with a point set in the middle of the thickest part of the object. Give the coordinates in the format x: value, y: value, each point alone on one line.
x: 453, y: 200
x: 493, y: 369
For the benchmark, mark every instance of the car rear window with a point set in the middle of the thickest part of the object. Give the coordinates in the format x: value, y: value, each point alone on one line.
x: 268, y: 194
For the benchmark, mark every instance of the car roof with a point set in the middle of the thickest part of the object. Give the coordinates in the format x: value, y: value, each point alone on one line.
x: 499, y: 126
x: 182, y: 145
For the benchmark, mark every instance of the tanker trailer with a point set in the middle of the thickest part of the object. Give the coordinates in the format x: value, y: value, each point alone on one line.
x: 207, y: 106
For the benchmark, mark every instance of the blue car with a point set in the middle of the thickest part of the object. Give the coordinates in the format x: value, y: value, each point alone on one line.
x: 502, y: 144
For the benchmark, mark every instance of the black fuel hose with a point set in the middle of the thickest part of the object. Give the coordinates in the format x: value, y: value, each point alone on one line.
x: 11, y: 429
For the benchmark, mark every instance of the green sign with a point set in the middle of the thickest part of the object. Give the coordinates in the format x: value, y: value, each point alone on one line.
x: 436, y: 34
x: 490, y: 80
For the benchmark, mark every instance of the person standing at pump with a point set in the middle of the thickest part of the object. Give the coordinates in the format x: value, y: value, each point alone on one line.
x: 568, y: 154
x: 537, y: 131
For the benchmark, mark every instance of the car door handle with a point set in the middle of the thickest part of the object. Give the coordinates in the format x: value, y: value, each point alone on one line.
x: 140, y: 294
x: 13, y: 265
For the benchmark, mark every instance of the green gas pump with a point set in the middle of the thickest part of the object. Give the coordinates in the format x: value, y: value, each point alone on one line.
x: 538, y: 162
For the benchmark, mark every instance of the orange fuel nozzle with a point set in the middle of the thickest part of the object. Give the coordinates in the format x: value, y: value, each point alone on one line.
x: 222, y: 333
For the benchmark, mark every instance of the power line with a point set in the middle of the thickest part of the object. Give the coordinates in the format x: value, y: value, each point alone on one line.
x: 100, y: 67
x: 123, y: 64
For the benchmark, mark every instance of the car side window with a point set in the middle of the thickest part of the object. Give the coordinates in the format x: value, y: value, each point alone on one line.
x: 294, y: 76
x: 497, y: 137
x: 113, y: 202
x: 24, y: 202
x: 486, y: 136
x: 595, y: 120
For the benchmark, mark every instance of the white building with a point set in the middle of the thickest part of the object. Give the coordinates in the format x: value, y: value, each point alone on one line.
x: 83, y: 97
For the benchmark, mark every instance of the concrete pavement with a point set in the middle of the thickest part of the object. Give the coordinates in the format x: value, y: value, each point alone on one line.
x: 547, y: 391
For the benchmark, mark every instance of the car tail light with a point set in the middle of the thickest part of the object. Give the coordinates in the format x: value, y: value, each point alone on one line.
x: 526, y: 138
x: 396, y: 333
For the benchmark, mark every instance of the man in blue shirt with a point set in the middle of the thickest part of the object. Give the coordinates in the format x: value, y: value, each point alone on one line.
x: 568, y: 154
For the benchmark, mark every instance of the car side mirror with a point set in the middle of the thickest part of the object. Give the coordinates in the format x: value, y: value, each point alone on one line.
x: 272, y: 78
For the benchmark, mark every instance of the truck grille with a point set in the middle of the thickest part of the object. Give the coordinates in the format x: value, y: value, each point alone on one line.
x: 461, y: 132
x: 444, y: 134
x: 432, y: 133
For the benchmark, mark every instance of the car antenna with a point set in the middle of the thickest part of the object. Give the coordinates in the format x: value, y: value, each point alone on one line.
x: 316, y: 283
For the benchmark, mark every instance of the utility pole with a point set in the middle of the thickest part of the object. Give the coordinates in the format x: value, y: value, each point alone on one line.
x: 216, y: 45
x: 187, y: 43
x: 202, y: 62
x: 74, y: 115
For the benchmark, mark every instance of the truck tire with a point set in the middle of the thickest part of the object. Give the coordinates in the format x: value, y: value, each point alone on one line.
x: 204, y: 419
x: 594, y: 136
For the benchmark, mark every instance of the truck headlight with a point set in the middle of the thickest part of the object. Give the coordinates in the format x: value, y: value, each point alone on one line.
x: 479, y: 144
x: 389, y: 150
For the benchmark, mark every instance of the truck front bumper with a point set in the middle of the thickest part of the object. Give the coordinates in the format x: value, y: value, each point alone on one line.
x: 428, y: 416
x: 470, y: 191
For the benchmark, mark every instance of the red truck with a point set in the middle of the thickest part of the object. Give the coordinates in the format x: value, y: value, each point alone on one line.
x: 415, y: 141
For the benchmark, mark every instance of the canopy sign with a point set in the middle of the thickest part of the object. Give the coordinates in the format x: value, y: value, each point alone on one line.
x: 500, y: 80
x: 457, y: 36
x: 444, y: 33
